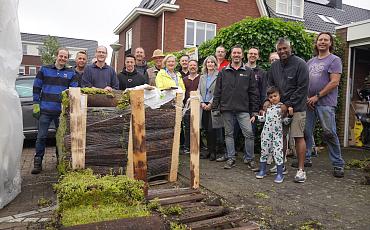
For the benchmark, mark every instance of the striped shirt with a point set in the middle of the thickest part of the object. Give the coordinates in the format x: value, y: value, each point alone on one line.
x: 49, y: 83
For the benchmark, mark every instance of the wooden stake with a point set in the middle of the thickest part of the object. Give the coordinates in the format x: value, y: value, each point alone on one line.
x: 194, y: 139
x: 176, y: 139
x: 78, y: 104
x: 138, y: 136
x: 130, y: 156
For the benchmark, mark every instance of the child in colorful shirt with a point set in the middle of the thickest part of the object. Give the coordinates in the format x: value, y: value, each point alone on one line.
x: 272, y: 135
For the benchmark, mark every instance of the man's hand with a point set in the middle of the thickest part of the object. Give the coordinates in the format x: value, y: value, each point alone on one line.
x: 284, y: 109
x: 290, y: 111
x: 108, y: 88
x: 311, y: 102
x: 208, y: 107
x: 253, y: 119
x: 261, y: 112
x: 36, y: 111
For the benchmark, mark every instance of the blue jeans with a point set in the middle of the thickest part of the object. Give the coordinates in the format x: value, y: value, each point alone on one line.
x: 326, y: 116
x: 42, y: 134
x: 243, y: 119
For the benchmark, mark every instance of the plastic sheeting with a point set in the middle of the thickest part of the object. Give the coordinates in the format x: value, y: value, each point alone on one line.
x: 11, y: 126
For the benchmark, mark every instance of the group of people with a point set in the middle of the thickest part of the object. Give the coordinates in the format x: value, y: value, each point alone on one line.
x: 288, y: 98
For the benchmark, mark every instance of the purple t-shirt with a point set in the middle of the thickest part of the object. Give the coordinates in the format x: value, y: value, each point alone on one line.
x: 320, y: 70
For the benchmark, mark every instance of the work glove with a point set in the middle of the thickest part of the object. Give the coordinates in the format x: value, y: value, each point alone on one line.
x: 36, y: 111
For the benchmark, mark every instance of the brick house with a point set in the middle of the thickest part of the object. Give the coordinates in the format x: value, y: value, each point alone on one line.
x: 31, y: 61
x: 173, y: 25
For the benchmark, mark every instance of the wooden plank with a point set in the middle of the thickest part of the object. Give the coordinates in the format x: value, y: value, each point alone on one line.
x: 172, y: 193
x: 180, y: 199
x: 215, y: 222
x: 130, y: 155
x: 201, y: 214
x: 176, y: 139
x: 247, y: 226
x: 78, y: 106
x: 194, y: 139
x: 138, y: 136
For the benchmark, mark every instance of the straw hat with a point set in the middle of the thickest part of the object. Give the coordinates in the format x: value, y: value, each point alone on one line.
x: 158, y: 53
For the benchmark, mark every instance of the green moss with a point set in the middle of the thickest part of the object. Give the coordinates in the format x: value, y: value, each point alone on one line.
x: 171, y: 210
x: 43, y: 202
x: 85, y: 214
x: 124, y: 101
x: 177, y: 226
x: 63, y: 165
x: 261, y: 195
x: 93, y: 91
x: 83, y: 187
x: 354, y: 163
x: 154, y: 204
x: 311, y: 225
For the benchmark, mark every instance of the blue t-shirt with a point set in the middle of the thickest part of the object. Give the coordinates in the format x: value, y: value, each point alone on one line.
x: 320, y: 70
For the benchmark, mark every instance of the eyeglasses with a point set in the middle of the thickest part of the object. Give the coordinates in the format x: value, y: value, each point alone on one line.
x: 101, y: 52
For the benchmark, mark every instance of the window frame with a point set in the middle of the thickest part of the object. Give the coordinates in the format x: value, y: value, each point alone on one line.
x: 289, y: 8
x: 128, y: 39
x: 32, y: 68
x: 195, y: 32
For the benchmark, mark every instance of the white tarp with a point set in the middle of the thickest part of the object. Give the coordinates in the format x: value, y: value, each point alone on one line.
x: 11, y: 126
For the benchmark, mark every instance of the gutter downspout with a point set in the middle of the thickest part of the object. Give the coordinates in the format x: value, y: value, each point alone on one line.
x: 162, y: 42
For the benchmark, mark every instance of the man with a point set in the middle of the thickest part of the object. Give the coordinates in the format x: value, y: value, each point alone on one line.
x: 99, y: 74
x: 220, y: 57
x: 50, y: 82
x: 141, y: 65
x: 236, y: 96
x: 81, y: 61
x: 157, y: 57
x: 191, y: 83
x: 273, y: 57
x: 184, y: 65
x: 325, y: 70
x: 129, y: 77
x: 290, y: 76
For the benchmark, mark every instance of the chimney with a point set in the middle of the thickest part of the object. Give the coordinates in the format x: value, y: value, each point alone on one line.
x: 335, y: 4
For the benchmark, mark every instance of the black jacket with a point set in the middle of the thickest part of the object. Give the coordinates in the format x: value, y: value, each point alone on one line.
x: 261, y: 78
x: 236, y: 90
x: 292, y: 80
x: 130, y: 80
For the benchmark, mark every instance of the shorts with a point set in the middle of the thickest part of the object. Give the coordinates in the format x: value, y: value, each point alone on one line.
x: 298, y: 124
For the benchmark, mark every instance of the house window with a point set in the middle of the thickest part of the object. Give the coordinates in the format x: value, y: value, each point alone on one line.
x: 222, y: 1
x: 32, y: 70
x: 197, y: 32
x: 328, y: 19
x: 22, y: 70
x: 128, y: 39
x: 290, y: 7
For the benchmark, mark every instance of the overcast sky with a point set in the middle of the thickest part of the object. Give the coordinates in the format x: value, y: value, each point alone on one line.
x: 93, y: 19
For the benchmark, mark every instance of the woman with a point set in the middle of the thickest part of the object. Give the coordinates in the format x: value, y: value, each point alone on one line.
x: 168, y: 78
x: 210, y: 120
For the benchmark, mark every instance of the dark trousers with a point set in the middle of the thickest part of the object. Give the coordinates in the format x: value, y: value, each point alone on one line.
x: 215, y: 146
x: 43, y: 127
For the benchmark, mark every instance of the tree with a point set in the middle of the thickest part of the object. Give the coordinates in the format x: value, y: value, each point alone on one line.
x: 49, y: 49
x: 261, y: 33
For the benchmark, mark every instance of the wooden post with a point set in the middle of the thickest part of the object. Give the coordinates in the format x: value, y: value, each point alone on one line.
x: 138, y: 136
x: 130, y: 156
x: 194, y: 139
x: 78, y: 104
x: 176, y: 139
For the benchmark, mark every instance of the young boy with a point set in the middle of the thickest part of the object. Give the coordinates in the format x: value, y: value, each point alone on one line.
x: 272, y: 135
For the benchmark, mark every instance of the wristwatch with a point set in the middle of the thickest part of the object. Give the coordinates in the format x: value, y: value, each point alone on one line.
x: 318, y: 95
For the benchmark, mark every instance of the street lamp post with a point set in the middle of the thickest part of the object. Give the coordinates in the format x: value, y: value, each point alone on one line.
x: 115, y: 47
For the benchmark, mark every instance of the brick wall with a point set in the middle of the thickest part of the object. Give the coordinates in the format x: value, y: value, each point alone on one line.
x: 220, y: 13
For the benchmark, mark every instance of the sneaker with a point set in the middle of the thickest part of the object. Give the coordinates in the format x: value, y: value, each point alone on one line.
x: 250, y: 163
x: 338, y: 172
x: 186, y: 151
x: 230, y: 163
x: 300, y: 177
x: 307, y: 163
x: 221, y: 159
x: 273, y: 170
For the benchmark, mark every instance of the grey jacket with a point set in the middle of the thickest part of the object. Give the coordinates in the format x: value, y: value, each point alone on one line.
x: 217, y: 121
x: 292, y: 80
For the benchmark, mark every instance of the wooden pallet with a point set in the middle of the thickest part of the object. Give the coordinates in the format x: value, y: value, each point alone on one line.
x: 197, y: 212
